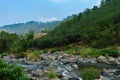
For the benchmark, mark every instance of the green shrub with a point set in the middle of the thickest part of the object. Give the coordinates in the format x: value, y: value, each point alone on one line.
x: 55, y: 50
x: 90, y: 73
x: 110, y: 52
x: 90, y: 52
x: 10, y: 72
x: 20, y: 55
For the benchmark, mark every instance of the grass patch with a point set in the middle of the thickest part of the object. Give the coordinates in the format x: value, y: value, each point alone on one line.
x: 34, y: 55
x: 110, y: 52
x: 90, y: 73
x: 52, y: 74
x: 90, y: 52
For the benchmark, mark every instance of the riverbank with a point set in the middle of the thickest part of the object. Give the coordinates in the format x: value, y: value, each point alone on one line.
x: 62, y: 66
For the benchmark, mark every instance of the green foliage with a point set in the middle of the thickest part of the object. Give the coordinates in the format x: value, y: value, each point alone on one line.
x: 110, y: 52
x: 90, y: 73
x: 10, y: 72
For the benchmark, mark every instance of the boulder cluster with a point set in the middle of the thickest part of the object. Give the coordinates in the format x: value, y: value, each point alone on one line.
x: 61, y: 66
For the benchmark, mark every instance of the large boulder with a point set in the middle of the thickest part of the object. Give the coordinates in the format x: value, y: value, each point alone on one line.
x: 102, y: 59
x: 118, y: 59
x: 113, y: 61
x: 107, y: 73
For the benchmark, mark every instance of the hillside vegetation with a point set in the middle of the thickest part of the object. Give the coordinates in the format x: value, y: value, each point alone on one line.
x: 97, y: 27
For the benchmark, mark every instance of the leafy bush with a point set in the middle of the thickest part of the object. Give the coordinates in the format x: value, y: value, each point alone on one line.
x: 10, y: 72
x: 90, y: 73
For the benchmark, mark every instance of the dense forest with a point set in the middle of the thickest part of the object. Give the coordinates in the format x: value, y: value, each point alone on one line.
x: 97, y: 27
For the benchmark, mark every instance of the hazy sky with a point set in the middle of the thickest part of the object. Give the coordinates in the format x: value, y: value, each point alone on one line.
x: 18, y: 11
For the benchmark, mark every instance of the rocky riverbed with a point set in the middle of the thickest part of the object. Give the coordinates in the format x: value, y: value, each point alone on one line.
x: 64, y: 66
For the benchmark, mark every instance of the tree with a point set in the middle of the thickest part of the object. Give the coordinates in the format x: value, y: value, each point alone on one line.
x: 80, y: 15
x: 87, y: 11
x: 95, y: 8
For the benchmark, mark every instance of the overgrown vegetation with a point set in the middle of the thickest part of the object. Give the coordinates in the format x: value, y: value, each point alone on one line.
x: 10, y: 72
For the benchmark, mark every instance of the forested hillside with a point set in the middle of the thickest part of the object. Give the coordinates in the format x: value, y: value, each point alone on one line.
x: 97, y: 27
x: 23, y: 28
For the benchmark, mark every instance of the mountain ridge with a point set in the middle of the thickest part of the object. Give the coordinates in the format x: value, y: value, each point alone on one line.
x: 23, y: 28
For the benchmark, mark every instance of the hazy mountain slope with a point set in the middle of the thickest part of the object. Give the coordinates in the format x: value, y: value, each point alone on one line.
x: 22, y: 28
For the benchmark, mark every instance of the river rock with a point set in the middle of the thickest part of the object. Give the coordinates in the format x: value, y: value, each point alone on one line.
x: 33, y: 77
x: 118, y: 59
x: 102, y: 59
x: 90, y: 59
x: 75, y: 66
x: 6, y: 57
x: 103, y: 78
x: 113, y: 61
x: 55, y: 79
x: 44, y: 78
x: 107, y: 73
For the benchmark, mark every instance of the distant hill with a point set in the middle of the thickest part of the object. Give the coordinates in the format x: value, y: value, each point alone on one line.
x: 23, y: 28
x: 97, y: 27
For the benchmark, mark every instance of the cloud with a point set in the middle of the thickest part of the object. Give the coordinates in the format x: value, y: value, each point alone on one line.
x: 43, y: 19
